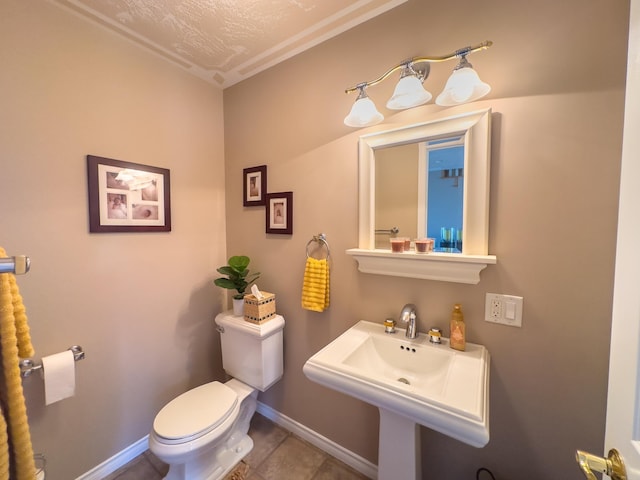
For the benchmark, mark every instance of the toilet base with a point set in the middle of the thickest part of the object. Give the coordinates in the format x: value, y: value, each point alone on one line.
x: 201, y: 468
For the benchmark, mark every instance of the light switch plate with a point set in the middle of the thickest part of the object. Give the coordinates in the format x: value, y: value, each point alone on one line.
x: 503, y: 309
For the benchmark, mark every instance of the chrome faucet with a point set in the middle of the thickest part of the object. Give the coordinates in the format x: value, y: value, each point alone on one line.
x: 410, y: 317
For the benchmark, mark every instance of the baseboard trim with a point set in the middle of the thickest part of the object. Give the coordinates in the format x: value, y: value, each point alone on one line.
x: 118, y: 460
x: 355, y: 461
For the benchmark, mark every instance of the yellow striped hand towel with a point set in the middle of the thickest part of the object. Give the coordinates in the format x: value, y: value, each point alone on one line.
x: 315, y: 286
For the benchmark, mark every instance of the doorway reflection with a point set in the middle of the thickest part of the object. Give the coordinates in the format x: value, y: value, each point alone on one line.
x: 445, y: 159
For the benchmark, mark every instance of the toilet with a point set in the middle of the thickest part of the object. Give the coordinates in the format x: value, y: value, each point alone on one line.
x: 202, y: 434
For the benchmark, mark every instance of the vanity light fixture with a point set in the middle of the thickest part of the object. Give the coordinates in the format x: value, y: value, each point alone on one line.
x: 463, y: 86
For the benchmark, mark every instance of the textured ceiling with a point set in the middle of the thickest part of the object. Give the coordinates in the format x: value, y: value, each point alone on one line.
x: 226, y: 41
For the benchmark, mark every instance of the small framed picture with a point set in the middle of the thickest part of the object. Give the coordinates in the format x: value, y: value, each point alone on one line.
x: 254, y: 187
x: 127, y: 197
x: 279, y: 213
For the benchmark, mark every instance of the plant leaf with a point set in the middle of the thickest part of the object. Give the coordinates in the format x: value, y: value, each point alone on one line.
x: 225, y: 283
x: 239, y: 262
x: 226, y: 270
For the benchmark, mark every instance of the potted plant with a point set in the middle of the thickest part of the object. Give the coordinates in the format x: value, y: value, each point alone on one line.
x: 237, y: 278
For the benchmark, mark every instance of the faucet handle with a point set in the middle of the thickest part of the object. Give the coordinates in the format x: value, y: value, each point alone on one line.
x: 435, y: 335
x: 389, y: 325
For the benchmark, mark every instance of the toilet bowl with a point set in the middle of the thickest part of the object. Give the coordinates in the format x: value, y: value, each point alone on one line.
x: 202, y: 434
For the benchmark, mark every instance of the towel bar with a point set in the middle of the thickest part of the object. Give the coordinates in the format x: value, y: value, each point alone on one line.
x: 27, y: 366
x: 19, y: 264
x: 389, y: 231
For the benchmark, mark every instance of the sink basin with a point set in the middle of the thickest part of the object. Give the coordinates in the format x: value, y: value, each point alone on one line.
x: 413, y: 379
x: 392, y: 360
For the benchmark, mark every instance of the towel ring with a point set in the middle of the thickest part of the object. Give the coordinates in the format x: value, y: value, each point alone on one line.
x: 321, y: 238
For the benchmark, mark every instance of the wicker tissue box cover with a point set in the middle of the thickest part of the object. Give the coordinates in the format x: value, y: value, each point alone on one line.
x: 259, y: 311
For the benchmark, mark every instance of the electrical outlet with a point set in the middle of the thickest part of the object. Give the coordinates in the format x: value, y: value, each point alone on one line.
x: 495, y: 307
x: 503, y: 309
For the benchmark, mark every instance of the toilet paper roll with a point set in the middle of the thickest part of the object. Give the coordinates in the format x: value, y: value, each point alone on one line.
x: 59, y: 372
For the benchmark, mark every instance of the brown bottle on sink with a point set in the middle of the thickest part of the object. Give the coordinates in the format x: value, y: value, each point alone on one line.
x: 457, y: 339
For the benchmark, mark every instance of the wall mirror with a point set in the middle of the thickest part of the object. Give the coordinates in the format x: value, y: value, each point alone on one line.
x: 426, y: 180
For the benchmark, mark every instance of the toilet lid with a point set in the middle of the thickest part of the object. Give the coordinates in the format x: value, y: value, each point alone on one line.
x: 195, y: 412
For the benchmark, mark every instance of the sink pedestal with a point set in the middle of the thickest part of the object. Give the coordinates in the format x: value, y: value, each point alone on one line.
x: 398, y: 447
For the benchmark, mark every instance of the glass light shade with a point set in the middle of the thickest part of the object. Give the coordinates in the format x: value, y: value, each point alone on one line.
x: 464, y: 85
x: 363, y: 113
x: 409, y: 93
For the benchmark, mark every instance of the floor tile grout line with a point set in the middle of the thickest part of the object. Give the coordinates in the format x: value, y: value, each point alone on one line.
x: 288, y: 434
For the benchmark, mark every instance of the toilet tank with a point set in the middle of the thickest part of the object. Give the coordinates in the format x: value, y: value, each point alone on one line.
x: 252, y: 353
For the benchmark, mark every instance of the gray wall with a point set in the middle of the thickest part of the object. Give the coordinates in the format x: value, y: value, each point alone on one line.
x: 557, y: 128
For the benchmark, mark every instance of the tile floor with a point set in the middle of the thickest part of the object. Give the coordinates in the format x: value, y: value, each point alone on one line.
x: 276, y: 454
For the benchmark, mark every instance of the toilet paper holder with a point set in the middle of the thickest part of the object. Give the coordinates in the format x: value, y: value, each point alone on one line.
x: 28, y: 366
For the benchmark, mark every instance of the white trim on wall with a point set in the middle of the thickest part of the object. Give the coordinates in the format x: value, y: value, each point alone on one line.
x: 120, y: 459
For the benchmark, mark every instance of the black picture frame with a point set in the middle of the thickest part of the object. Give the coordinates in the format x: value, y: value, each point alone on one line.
x: 127, y: 197
x: 279, y: 213
x: 254, y: 186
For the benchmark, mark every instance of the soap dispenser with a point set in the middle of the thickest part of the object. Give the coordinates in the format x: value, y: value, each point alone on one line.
x: 457, y: 340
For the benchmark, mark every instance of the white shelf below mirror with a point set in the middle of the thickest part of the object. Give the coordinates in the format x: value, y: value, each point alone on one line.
x: 445, y: 267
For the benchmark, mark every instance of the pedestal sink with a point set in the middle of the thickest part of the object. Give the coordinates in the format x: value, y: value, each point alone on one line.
x: 412, y: 382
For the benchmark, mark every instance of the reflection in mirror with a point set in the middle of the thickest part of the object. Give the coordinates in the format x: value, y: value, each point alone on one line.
x: 396, y: 193
x: 445, y: 193
x: 419, y: 193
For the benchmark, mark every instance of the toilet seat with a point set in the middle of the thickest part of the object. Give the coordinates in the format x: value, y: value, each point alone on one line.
x: 195, y: 413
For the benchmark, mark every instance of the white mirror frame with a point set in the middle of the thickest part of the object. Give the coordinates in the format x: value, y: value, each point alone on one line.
x: 462, y: 267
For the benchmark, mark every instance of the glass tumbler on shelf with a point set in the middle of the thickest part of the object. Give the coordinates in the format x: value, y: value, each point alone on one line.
x: 445, y: 237
x: 397, y: 245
